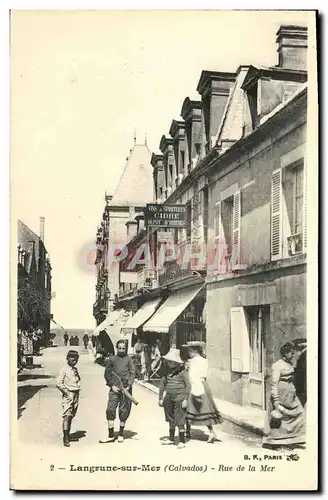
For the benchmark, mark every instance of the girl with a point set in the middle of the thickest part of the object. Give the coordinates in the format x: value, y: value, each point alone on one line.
x: 201, y: 408
x: 175, y: 384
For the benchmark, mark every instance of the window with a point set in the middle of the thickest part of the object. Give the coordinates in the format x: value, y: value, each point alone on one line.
x: 252, y: 103
x: 195, y: 204
x: 227, y: 232
x: 171, y: 175
x: 297, y: 227
x: 188, y: 224
x: 182, y: 162
x: 226, y: 218
x: 255, y: 329
x: 288, y: 211
x: 205, y: 214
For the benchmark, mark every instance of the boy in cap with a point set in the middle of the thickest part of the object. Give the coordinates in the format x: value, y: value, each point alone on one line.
x: 176, y: 386
x: 119, y: 370
x: 68, y: 382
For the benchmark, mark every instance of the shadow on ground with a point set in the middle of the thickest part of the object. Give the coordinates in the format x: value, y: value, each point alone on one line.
x: 32, y: 376
x: 77, y: 435
x: 24, y: 394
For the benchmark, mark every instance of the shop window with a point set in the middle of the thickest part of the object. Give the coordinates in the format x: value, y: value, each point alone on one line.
x: 190, y: 325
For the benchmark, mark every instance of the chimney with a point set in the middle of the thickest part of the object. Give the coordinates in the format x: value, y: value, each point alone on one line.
x: 42, y: 221
x: 292, y: 47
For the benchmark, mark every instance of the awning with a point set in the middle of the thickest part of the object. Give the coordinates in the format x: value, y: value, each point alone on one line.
x: 144, y: 313
x: 110, y: 320
x: 170, y: 310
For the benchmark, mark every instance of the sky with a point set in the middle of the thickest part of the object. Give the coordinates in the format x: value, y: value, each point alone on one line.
x: 81, y: 83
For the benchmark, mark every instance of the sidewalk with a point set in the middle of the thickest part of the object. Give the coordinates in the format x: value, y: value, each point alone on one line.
x: 249, y: 418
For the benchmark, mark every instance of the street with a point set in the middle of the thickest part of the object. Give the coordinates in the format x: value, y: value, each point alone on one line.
x: 40, y: 412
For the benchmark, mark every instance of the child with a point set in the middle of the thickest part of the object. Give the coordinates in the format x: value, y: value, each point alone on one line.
x: 68, y: 382
x: 176, y: 387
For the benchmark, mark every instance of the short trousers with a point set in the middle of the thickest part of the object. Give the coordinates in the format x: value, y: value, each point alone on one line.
x: 118, y: 399
x: 70, y: 403
x: 174, y: 413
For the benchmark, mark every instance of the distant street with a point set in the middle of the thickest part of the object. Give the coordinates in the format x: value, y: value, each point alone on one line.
x: 40, y: 412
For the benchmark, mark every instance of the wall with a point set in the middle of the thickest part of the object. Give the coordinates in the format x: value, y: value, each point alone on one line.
x: 253, y: 176
x: 287, y: 314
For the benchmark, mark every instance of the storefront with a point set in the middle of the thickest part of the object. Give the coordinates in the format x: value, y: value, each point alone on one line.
x: 179, y: 319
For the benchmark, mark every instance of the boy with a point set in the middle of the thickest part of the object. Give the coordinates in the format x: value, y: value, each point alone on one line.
x: 119, y: 369
x: 176, y: 387
x: 68, y: 382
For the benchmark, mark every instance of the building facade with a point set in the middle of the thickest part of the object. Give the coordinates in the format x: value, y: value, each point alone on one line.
x: 235, y: 276
x: 33, y: 263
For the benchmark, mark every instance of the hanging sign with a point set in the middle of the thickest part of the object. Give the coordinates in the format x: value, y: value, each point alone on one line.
x: 173, y: 216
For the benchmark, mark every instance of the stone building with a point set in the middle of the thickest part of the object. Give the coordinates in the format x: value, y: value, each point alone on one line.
x: 118, y: 223
x: 33, y: 262
x: 235, y: 276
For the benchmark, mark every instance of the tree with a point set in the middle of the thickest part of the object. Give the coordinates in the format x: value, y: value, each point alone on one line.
x: 32, y: 304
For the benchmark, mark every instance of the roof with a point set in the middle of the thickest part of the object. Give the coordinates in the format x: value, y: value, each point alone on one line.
x: 302, y: 89
x: 231, y: 126
x: 135, y: 186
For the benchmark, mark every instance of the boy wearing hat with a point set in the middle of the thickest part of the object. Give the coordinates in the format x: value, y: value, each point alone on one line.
x: 68, y: 382
x: 175, y: 384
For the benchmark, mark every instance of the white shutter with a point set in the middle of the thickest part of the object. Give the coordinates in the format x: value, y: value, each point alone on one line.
x: 217, y: 221
x: 236, y: 230
x: 240, y: 346
x: 276, y: 213
x: 218, y: 235
x: 305, y: 207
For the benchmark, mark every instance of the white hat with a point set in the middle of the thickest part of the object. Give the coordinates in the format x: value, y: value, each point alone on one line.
x: 173, y: 355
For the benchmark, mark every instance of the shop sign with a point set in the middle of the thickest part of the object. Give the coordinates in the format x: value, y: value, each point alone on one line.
x: 172, y: 216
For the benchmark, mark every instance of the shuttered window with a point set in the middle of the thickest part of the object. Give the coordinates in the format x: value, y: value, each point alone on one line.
x: 217, y: 221
x: 240, y: 345
x: 188, y: 221
x: 205, y: 214
x: 276, y: 212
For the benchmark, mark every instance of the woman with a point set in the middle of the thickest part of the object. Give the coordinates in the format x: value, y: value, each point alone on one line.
x: 286, y: 418
x: 201, y: 408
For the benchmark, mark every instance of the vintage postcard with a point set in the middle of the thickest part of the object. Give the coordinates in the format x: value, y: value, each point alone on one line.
x: 164, y: 195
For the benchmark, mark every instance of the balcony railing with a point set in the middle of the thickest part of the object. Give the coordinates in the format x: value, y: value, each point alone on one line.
x: 147, y: 279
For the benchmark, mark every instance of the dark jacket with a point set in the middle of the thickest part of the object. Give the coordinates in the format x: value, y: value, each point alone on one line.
x: 121, y: 366
x: 175, y: 383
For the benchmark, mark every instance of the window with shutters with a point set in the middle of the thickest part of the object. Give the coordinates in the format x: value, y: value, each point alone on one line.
x: 227, y: 232
x: 188, y: 220
x: 288, y: 211
x: 195, y: 209
x: 257, y: 318
x: 205, y: 214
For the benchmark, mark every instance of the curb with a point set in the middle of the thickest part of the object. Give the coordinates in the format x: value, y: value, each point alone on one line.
x: 226, y: 416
